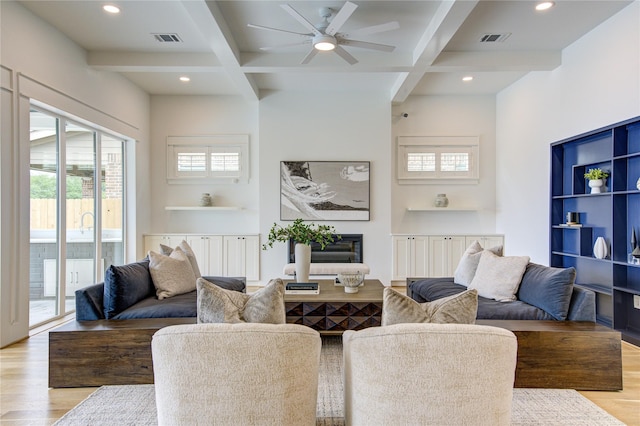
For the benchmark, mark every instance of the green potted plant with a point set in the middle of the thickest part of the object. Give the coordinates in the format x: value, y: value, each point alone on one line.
x: 303, y: 234
x: 596, y: 179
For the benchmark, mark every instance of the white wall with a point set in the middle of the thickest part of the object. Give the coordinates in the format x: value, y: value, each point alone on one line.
x: 446, y: 116
x: 327, y: 126
x: 39, y: 62
x: 197, y: 116
x: 597, y: 84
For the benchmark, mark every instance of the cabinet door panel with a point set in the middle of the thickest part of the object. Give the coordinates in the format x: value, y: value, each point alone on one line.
x: 400, y: 268
x: 457, y: 246
x: 234, y: 256
x: 420, y: 257
x: 438, y: 257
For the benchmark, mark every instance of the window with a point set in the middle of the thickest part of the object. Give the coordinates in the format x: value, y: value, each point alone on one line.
x: 437, y: 157
x: 206, y: 158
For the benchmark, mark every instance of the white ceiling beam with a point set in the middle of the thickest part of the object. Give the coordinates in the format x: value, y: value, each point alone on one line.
x: 444, y: 24
x: 497, y: 61
x: 118, y: 61
x: 210, y: 22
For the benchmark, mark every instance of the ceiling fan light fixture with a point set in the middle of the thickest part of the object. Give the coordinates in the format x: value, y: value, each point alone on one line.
x: 324, y: 42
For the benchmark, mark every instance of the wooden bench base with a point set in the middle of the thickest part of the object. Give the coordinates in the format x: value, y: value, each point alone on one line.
x: 565, y: 354
x: 551, y: 354
x: 104, y: 352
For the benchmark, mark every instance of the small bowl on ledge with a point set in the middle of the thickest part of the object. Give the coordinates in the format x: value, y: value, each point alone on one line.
x: 350, y: 281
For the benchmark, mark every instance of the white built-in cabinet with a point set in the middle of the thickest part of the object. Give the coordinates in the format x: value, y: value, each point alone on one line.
x: 432, y: 255
x: 80, y: 273
x: 221, y: 255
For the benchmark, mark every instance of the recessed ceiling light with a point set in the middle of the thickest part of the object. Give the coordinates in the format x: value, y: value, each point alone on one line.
x: 185, y: 79
x: 110, y: 8
x: 545, y: 5
x: 467, y: 78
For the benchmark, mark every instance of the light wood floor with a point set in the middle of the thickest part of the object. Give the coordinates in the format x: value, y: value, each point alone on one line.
x: 26, y: 400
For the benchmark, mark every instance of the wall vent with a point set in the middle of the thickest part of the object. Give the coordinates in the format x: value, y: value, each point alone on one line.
x: 494, y: 38
x: 167, y: 38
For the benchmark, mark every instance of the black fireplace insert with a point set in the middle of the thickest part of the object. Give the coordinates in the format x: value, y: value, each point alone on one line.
x: 348, y: 249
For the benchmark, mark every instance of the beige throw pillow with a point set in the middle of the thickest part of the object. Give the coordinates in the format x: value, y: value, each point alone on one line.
x: 499, y: 277
x: 171, y: 275
x: 186, y: 248
x: 460, y: 308
x: 466, y: 269
x: 216, y: 304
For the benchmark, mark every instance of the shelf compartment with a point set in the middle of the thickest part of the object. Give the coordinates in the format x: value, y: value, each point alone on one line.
x: 626, y: 277
x: 572, y: 240
x: 626, y: 318
x: 633, y: 138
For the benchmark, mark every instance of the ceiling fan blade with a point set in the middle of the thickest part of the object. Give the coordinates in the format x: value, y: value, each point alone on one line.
x: 367, y: 45
x: 313, y: 52
x: 338, y: 21
x: 308, y: 25
x: 374, y: 29
x: 260, y: 27
x: 345, y: 55
x: 300, y: 43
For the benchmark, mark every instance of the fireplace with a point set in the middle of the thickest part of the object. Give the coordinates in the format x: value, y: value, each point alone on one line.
x: 345, y: 250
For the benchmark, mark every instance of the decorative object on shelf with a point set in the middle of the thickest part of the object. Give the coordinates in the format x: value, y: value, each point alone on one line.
x: 633, y: 241
x: 351, y: 281
x: 638, y: 184
x: 573, y: 218
x: 303, y: 234
x: 206, y: 200
x: 442, y: 200
x: 600, y: 249
x: 596, y: 179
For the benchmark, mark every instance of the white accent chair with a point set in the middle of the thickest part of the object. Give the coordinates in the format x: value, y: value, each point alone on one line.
x: 236, y: 374
x: 429, y: 374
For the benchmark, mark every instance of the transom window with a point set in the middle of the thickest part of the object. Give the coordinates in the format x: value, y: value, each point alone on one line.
x: 437, y: 157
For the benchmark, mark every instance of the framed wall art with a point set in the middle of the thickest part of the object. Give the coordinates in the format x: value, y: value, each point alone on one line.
x: 324, y: 190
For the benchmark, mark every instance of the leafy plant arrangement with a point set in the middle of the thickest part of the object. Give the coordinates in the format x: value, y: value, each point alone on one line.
x: 595, y: 174
x: 301, y: 233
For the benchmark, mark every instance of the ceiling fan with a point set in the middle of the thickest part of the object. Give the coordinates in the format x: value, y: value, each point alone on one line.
x: 326, y: 36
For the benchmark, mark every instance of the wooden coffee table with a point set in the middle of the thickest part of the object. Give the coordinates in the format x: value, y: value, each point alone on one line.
x: 333, y: 311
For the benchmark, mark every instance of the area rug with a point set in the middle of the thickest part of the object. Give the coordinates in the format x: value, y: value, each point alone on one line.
x: 135, y: 405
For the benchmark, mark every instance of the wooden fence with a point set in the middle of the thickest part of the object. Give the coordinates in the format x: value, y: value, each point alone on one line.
x: 43, y: 213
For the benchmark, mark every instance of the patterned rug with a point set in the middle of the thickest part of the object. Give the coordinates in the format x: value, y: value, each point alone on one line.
x: 135, y: 404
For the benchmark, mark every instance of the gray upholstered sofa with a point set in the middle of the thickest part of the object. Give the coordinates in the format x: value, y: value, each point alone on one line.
x: 544, y: 293
x: 128, y: 293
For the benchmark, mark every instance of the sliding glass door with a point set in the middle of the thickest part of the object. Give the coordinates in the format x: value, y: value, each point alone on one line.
x: 76, y: 198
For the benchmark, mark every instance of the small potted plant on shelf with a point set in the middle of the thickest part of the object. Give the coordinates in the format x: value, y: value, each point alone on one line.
x: 303, y: 234
x: 596, y: 179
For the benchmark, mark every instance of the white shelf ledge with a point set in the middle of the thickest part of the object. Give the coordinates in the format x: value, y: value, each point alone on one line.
x: 199, y: 208
x: 441, y: 209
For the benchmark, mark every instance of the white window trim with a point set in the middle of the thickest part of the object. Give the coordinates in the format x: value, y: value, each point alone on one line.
x: 438, y: 144
x: 212, y: 143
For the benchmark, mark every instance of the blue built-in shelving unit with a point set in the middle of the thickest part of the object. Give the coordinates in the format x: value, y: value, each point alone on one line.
x: 612, y: 214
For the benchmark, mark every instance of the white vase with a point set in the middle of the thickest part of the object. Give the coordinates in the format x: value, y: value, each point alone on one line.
x: 638, y: 184
x: 303, y: 262
x: 596, y: 185
x: 600, y: 249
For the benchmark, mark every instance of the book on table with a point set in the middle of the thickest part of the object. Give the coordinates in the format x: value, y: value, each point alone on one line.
x: 302, y: 288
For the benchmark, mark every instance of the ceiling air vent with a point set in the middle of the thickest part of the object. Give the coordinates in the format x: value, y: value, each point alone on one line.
x: 167, y: 38
x: 494, y: 38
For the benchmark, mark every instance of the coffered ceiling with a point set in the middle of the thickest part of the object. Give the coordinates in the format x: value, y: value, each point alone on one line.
x: 436, y: 44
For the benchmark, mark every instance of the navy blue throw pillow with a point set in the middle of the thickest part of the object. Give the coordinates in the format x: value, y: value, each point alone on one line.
x: 548, y: 288
x: 126, y: 285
